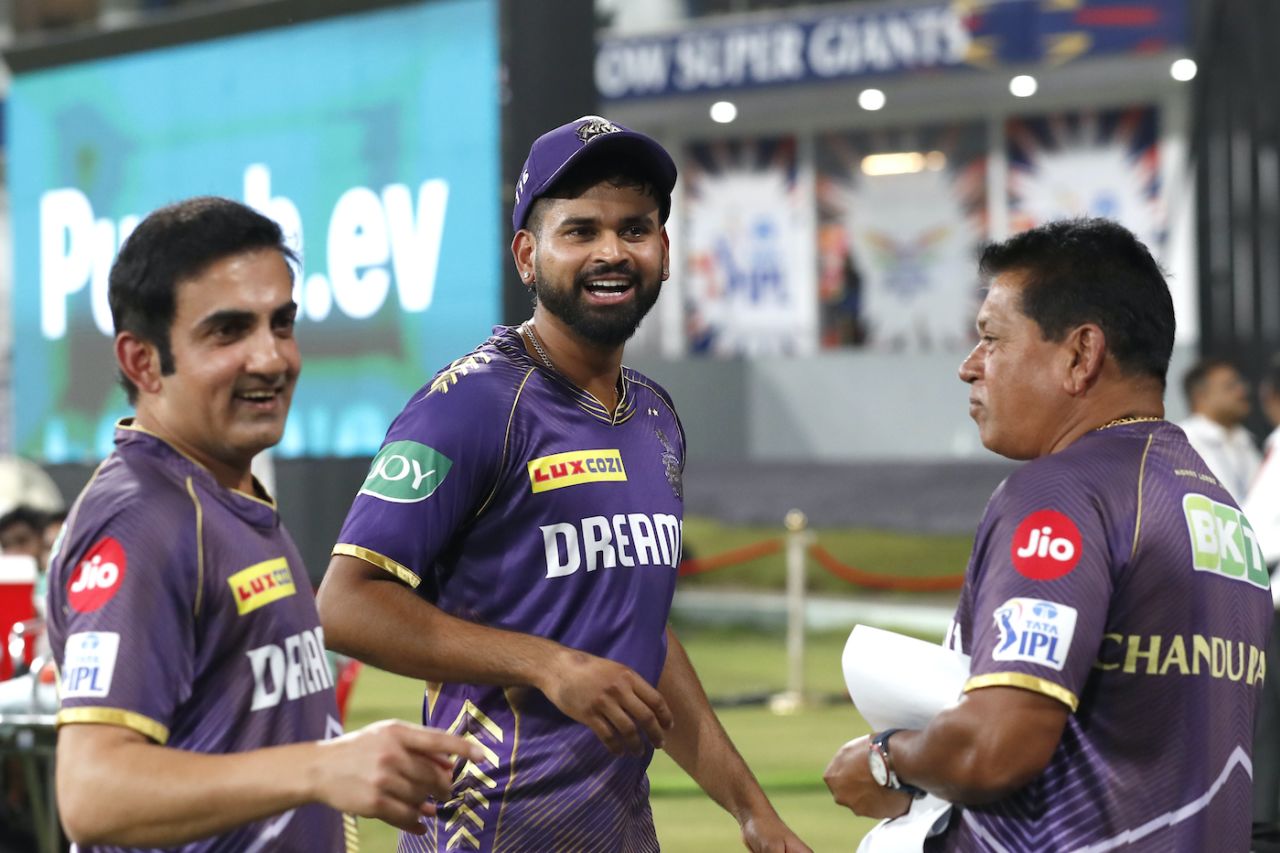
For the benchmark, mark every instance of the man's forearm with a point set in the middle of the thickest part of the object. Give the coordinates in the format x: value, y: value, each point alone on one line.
x: 698, y: 742
x: 371, y: 616
x: 133, y: 793
x: 990, y: 744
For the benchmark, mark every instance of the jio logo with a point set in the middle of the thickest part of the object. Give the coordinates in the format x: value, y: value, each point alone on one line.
x: 97, y: 577
x: 1045, y: 546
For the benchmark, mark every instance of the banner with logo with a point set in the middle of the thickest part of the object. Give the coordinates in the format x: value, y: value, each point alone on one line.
x: 900, y: 216
x: 372, y: 138
x: 746, y: 285
x: 1088, y: 163
x: 891, y: 38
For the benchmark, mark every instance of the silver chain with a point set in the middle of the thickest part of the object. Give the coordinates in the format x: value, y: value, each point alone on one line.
x: 526, y: 328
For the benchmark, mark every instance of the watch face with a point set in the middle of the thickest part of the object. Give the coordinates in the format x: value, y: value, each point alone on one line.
x: 878, y: 767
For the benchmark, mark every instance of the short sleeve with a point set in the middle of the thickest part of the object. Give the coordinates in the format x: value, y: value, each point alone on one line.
x: 1040, y: 598
x: 437, y: 468
x: 122, y: 601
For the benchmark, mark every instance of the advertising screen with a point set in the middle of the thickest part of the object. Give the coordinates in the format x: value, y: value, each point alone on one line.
x: 372, y: 138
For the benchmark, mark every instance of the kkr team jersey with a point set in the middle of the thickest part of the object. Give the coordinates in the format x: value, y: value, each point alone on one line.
x: 181, y: 609
x: 1119, y: 578
x: 507, y: 496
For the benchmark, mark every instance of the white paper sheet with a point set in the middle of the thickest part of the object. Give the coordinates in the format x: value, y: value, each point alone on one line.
x: 901, y: 682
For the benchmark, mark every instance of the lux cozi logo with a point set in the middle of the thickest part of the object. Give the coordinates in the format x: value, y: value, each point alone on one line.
x: 577, y: 466
x: 261, y: 584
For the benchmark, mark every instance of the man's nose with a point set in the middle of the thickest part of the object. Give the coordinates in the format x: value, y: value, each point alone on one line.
x: 970, y: 368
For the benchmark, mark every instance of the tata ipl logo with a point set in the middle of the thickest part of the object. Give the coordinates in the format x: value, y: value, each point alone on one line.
x: 406, y: 472
x: 1034, y: 631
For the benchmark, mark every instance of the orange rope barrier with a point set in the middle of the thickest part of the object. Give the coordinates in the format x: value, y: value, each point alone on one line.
x: 861, y: 578
x: 697, y: 566
x: 825, y: 559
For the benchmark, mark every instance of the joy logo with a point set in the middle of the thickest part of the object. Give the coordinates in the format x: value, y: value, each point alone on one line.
x: 98, y: 576
x: 1045, y: 546
x: 406, y: 472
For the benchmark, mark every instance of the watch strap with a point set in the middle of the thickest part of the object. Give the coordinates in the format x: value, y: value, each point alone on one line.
x: 880, y: 742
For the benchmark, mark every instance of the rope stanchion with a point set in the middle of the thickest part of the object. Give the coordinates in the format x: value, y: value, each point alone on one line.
x: 870, y: 581
x: 744, y: 554
x: 824, y: 558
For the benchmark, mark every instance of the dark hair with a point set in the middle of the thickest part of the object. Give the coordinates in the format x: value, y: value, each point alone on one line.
x: 1193, y: 380
x: 588, y: 172
x: 1092, y: 271
x: 172, y: 245
x: 23, y: 514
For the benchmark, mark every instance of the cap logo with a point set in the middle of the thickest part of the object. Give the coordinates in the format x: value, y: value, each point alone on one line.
x: 595, y: 126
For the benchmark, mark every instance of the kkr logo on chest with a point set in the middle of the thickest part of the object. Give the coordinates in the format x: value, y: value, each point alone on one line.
x: 575, y: 467
x: 261, y: 584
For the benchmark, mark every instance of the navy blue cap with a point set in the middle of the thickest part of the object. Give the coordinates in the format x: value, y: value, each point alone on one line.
x: 554, y: 152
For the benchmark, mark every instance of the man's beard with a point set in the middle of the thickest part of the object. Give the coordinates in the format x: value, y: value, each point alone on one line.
x: 604, y: 325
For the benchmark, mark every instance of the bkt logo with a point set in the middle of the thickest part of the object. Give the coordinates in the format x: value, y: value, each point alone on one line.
x: 98, y: 576
x: 1223, y: 542
x: 1034, y: 631
x: 1045, y: 546
x: 406, y: 472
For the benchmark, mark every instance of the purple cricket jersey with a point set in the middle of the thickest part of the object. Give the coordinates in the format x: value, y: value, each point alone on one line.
x: 1120, y: 578
x: 180, y: 609
x: 507, y: 496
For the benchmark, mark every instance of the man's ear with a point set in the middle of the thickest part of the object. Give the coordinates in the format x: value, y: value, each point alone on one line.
x: 1086, y: 347
x: 139, y: 361
x: 524, y: 250
x: 666, y: 255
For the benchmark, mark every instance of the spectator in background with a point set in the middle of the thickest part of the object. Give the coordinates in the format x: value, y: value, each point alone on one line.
x: 1219, y: 401
x: 1262, y: 508
x: 22, y: 532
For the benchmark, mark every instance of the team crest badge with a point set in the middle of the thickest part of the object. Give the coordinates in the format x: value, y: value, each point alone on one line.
x: 595, y: 126
x: 671, y: 463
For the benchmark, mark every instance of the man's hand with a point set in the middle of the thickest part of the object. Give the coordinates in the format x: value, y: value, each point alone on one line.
x: 610, y: 699
x: 768, y: 834
x: 390, y: 770
x: 849, y: 778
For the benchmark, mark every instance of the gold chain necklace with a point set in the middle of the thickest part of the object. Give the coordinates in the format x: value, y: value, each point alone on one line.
x: 1131, y: 419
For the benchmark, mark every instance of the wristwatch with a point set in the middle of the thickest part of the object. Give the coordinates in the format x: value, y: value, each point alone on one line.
x: 881, y: 766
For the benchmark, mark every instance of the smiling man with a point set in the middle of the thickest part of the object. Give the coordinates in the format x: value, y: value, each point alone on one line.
x: 516, y: 541
x: 1115, y: 607
x: 195, y: 693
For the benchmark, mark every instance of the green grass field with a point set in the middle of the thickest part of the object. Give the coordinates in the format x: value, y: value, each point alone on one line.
x: 874, y: 551
x: 787, y: 753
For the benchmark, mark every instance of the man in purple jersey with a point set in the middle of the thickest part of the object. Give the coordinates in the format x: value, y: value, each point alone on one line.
x: 195, y: 692
x: 1115, y: 608
x: 516, y: 541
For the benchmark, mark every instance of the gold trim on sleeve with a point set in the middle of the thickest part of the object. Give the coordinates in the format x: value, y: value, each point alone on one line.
x: 1026, y: 682
x: 384, y: 563
x: 115, y: 717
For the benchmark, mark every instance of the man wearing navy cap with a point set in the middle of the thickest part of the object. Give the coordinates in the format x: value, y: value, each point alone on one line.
x: 516, y: 541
